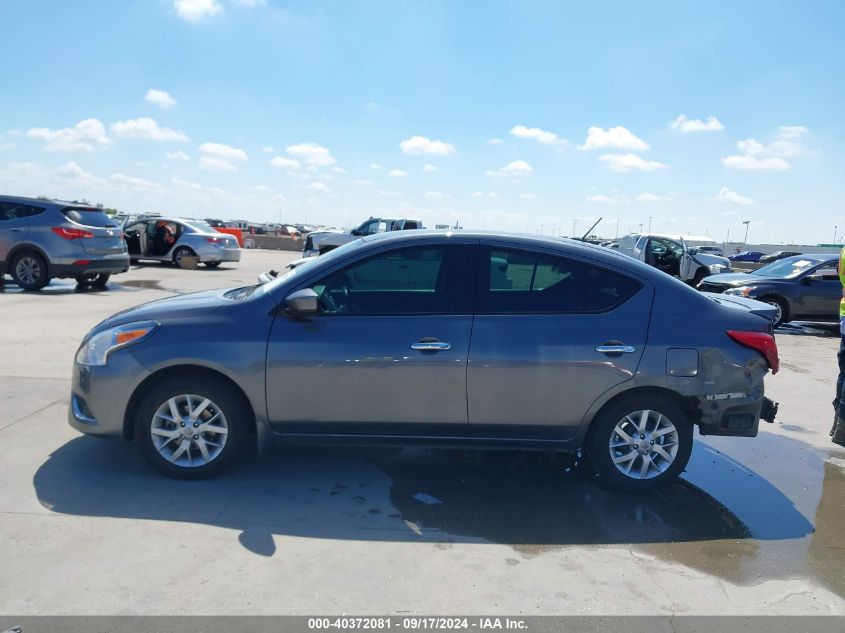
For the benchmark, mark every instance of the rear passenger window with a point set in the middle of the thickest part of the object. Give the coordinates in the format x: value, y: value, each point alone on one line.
x: 17, y: 211
x: 89, y: 217
x: 520, y: 281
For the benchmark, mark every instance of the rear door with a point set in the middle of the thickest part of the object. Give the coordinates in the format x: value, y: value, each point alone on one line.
x: 550, y: 335
x: 14, y: 225
x: 107, y: 236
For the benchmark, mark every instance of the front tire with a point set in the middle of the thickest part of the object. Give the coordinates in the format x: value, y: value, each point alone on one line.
x: 29, y: 270
x: 782, y: 315
x: 180, y: 254
x: 191, y: 428
x: 640, y: 443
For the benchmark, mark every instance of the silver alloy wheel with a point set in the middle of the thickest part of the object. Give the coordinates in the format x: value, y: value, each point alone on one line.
x: 778, y: 311
x: 644, y: 444
x: 181, y: 254
x: 28, y: 270
x: 189, y: 430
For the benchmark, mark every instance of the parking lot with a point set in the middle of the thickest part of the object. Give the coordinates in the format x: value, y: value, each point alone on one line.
x: 757, y: 526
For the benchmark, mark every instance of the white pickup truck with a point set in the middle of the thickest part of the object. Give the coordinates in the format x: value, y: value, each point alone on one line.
x: 675, y: 255
x: 320, y: 242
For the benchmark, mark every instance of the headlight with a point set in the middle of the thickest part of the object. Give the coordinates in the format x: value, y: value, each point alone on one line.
x: 742, y: 291
x: 96, y: 350
x: 716, y: 269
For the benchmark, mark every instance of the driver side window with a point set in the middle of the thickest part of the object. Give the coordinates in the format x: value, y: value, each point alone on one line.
x: 411, y: 280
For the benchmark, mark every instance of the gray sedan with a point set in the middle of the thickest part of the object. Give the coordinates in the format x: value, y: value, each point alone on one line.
x: 435, y: 338
x: 172, y: 240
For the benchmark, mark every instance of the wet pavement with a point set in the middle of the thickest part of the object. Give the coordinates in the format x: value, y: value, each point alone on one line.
x: 754, y: 526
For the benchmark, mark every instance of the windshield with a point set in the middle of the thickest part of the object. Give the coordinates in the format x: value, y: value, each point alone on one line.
x: 787, y: 268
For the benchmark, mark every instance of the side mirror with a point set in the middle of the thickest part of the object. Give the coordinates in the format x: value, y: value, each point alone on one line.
x: 809, y: 279
x: 302, y: 302
x: 355, y: 232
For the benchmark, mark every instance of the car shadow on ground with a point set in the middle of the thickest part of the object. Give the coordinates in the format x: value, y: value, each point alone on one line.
x: 802, y: 328
x: 519, y: 499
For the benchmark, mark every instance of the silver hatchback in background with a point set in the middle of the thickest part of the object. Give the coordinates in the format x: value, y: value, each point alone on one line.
x: 43, y: 239
x: 174, y: 239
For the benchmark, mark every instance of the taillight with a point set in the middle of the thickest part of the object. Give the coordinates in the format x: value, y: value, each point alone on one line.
x: 762, y: 342
x: 214, y: 240
x: 71, y: 234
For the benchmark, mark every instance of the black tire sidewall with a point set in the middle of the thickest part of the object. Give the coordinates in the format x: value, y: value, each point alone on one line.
x: 101, y: 280
x: 784, y: 312
x: 45, y: 274
x: 603, y: 426
x: 222, y: 394
x: 186, y: 252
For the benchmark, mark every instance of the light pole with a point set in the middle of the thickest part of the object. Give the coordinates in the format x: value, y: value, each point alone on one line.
x: 649, y: 225
x: 574, y: 226
x: 746, y: 223
x: 835, y: 231
x: 641, y: 227
x: 617, y: 228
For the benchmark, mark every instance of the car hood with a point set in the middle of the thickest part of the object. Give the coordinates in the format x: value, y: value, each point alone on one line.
x: 734, y: 280
x: 182, y: 306
x: 710, y: 260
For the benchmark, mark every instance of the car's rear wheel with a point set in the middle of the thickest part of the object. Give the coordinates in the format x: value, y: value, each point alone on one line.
x: 29, y: 270
x: 640, y: 443
x: 781, y: 311
x: 212, y: 264
x: 180, y: 254
x: 191, y: 429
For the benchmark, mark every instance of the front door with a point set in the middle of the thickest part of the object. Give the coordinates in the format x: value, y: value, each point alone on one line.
x: 551, y: 334
x: 820, y: 297
x: 389, y: 347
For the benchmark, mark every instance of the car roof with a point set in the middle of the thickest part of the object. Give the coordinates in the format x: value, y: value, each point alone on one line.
x: 60, y: 203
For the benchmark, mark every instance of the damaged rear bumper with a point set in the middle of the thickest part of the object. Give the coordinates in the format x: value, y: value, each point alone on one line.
x: 736, y: 415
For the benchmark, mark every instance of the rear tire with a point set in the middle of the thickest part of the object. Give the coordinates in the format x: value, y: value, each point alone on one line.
x: 619, y: 440
x: 209, y: 440
x: 97, y: 280
x: 212, y: 264
x: 29, y: 270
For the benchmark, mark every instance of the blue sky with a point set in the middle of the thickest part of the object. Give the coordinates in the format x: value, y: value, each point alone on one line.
x: 510, y: 115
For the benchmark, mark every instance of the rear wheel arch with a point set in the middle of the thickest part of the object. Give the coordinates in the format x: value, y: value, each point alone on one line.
x: 168, y: 373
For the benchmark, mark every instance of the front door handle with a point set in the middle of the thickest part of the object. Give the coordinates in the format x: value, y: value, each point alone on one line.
x: 16, y: 230
x: 430, y: 345
x: 616, y: 349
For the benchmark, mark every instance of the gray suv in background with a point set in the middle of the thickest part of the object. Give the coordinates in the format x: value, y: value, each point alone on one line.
x: 43, y: 239
x: 472, y: 338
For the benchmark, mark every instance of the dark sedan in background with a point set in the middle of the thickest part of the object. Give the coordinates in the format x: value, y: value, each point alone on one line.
x: 747, y: 256
x: 801, y: 288
x: 773, y: 257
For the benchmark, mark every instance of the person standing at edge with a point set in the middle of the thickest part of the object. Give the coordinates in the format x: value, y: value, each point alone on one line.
x: 837, y: 433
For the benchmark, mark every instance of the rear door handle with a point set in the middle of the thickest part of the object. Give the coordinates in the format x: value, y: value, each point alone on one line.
x: 616, y: 349
x: 430, y: 345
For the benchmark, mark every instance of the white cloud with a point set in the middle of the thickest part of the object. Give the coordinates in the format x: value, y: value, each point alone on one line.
x: 146, y: 128
x: 319, y: 186
x: 513, y: 168
x: 429, y: 167
x: 219, y: 150
x: 160, y: 98
x: 285, y: 163
x: 85, y: 136
x: 732, y: 197
x: 481, y: 194
x: 390, y: 194
x: 134, y: 183
x: 268, y: 149
x: 375, y: 166
x: 600, y: 198
x: 757, y: 156
x: 624, y: 163
x: 434, y: 194
x: 528, y: 196
x: 424, y: 145
x: 397, y: 173
x: 196, y: 10
x: 495, y: 141
x: 212, y: 163
x: 620, y: 137
x: 338, y: 170
x: 364, y: 183
x: 250, y: 3
x: 539, y: 135
x: 180, y: 155
x: 646, y: 196
x: 312, y: 154
x: 712, y: 124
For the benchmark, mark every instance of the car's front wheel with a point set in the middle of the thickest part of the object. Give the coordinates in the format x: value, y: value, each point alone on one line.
x: 191, y: 429
x: 640, y: 443
x: 180, y: 255
x: 781, y: 311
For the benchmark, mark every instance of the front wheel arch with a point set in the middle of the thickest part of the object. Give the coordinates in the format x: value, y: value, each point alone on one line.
x: 784, y: 306
x: 169, y: 373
